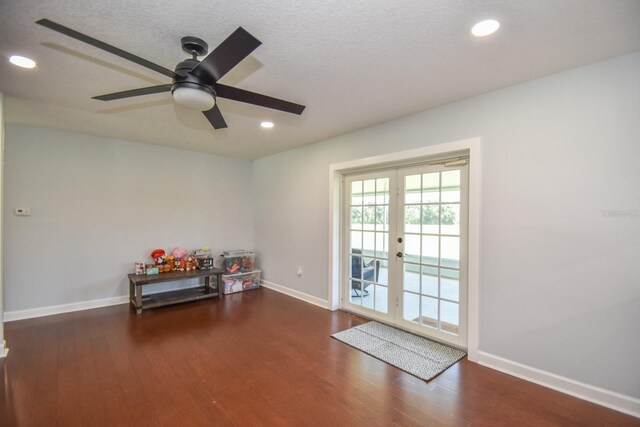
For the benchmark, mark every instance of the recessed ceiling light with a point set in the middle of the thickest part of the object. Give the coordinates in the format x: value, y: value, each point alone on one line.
x: 484, y: 28
x: 22, y: 61
x: 267, y: 125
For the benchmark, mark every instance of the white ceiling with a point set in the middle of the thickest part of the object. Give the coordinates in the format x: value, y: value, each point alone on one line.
x: 353, y: 64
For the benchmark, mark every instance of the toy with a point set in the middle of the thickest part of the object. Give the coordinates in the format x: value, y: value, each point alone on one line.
x: 203, y: 252
x: 169, y: 260
x: 158, y: 256
x: 140, y: 268
x: 178, y: 254
x: 192, y: 263
x: 163, y: 264
x: 152, y: 270
x: 247, y: 263
x: 232, y: 265
x: 160, y: 260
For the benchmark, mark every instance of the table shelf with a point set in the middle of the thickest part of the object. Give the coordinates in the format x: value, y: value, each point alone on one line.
x: 140, y: 301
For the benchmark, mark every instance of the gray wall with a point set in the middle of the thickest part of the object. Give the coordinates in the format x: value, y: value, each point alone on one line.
x: 98, y: 205
x: 560, y: 281
x: 2, y: 341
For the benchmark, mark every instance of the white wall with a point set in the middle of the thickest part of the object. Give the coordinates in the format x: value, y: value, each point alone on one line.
x: 3, y: 348
x: 98, y: 205
x: 560, y: 281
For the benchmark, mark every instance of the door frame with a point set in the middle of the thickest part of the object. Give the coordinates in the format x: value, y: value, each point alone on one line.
x: 471, y: 147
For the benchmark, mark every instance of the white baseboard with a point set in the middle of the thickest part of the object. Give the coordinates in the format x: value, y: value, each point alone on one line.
x: 10, y: 316
x: 611, y: 399
x: 296, y: 294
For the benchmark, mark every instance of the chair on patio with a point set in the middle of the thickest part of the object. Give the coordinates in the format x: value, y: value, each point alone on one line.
x: 362, y: 271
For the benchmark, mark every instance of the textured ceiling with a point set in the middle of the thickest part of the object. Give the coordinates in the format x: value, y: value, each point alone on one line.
x: 353, y: 64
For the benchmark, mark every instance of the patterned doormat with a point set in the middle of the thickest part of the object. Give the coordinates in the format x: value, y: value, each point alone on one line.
x: 415, y: 355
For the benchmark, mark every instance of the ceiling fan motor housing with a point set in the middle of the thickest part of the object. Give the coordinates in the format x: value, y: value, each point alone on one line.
x: 184, y: 78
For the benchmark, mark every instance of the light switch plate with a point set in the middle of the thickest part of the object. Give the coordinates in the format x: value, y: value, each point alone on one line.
x: 22, y: 211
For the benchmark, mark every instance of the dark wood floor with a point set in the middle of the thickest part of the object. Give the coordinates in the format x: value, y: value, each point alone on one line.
x: 255, y: 358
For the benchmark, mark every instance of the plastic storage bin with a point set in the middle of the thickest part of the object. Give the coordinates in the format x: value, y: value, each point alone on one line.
x: 232, y: 283
x: 234, y: 264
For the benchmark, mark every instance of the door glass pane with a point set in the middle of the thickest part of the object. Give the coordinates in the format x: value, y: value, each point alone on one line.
x: 368, y: 298
x: 383, y: 273
x: 356, y: 240
x: 450, y: 317
x: 412, y: 189
x: 412, y: 248
x: 430, y: 250
x: 411, y: 307
x: 356, y: 218
x: 450, y: 219
x: 430, y: 312
x: 369, y: 192
x: 411, y: 277
x: 356, y: 267
x: 430, y: 219
x: 382, y: 245
x: 382, y: 218
x: 450, y: 252
x: 381, y: 298
x: 451, y: 186
x: 356, y: 193
x: 368, y: 242
x: 369, y: 218
x: 450, y: 284
x: 430, y: 281
x: 431, y: 187
x: 382, y: 191
x: 412, y: 219
x: 355, y: 292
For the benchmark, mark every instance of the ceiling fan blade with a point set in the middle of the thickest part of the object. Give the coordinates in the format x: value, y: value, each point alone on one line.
x: 104, y: 46
x: 134, y: 92
x: 227, y: 55
x: 257, y: 99
x: 215, y: 117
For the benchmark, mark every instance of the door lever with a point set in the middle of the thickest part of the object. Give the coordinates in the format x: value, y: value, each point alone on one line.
x: 399, y: 254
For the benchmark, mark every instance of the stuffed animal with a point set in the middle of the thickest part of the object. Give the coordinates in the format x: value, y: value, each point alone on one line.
x: 169, y: 265
x: 158, y: 257
x: 178, y: 255
x: 192, y: 263
x: 247, y: 263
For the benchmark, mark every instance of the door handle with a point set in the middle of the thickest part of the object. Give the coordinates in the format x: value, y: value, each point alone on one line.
x: 399, y: 254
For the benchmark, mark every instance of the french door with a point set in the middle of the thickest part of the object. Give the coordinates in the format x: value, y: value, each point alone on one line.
x: 405, y: 249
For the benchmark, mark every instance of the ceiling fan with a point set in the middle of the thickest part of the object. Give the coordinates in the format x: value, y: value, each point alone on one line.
x: 195, y: 83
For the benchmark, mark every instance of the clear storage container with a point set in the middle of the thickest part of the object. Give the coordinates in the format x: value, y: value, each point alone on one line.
x: 240, y: 282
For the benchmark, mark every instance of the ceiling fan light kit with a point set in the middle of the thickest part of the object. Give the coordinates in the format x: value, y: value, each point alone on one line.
x: 193, y: 98
x: 194, y: 83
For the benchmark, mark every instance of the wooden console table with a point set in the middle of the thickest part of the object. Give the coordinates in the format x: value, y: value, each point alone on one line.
x: 140, y: 302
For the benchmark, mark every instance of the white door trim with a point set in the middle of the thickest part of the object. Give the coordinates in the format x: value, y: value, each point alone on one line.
x: 471, y: 146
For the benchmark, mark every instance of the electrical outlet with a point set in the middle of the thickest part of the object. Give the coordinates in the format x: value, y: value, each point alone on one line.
x: 299, y: 271
x: 22, y: 211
